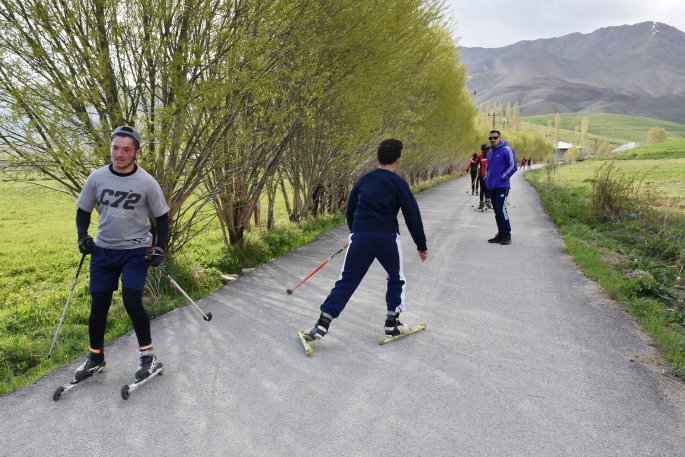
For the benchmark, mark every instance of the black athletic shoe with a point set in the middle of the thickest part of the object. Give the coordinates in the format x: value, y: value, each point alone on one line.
x: 95, y: 363
x: 148, y: 363
x: 506, y: 240
x: 393, y: 326
x: 496, y: 239
x: 320, y: 328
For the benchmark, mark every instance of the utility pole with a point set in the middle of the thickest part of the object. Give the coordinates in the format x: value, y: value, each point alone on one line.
x: 494, y: 115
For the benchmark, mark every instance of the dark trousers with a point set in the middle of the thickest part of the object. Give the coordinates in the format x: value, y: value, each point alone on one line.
x: 499, y: 204
x: 474, y: 181
x: 364, y: 248
x: 483, y: 189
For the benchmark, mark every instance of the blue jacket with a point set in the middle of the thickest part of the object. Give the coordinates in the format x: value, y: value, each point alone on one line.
x: 501, y: 165
x: 374, y: 202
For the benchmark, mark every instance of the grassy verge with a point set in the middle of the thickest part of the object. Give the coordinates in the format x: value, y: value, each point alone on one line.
x: 638, y: 258
x: 39, y: 261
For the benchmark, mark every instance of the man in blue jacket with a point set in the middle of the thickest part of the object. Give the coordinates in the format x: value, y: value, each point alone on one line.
x: 372, y: 209
x: 501, y: 166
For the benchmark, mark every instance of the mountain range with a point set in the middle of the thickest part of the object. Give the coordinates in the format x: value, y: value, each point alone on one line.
x: 636, y: 69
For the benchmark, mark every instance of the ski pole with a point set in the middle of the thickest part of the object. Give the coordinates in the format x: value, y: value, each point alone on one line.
x: 472, y: 183
x: 207, y: 316
x: 71, y: 292
x: 290, y: 291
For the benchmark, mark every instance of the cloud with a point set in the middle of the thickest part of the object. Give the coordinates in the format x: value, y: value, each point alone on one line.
x: 502, y: 22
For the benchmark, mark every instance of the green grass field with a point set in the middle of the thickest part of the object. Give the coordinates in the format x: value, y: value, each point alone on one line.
x: 665, y: 178
x: 674, y: 149
x: 616, y: 127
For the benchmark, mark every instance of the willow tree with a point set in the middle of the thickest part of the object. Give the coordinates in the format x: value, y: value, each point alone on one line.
x: 74, y: 70
x: 391, y: 70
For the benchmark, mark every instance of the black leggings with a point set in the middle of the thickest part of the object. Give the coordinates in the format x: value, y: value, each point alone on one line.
x: 483, y: 189
x: 99, y: 308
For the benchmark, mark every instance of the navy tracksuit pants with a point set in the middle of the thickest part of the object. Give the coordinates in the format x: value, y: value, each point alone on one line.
x: 499, y: 204
x: 364, y: 248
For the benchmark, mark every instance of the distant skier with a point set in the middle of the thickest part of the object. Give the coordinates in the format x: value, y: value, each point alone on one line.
x: 372, y: 209
x: 124, y: 194
x: 482, y: 167
x: 472, y: 166
x: 501, y: 166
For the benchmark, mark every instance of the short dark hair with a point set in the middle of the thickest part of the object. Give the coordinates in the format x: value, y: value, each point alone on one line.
x: 389, y: 151
x: 496, y: 131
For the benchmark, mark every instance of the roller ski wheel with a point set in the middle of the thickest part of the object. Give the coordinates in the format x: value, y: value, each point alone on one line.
x: 307, y: 347
x: 57, y: 394
x: 479, y: 208
x: 126, y: 389
x: 387, y: 339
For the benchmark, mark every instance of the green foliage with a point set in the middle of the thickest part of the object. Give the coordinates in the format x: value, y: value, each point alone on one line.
x: 256, y: 250
x: 604, y: 149
x: 528, y: 144
x: 650, y: 288
x: 657, y: 135
x: 572, y: 154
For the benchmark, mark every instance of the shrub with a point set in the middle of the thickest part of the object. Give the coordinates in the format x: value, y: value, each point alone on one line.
x: 616, y: 196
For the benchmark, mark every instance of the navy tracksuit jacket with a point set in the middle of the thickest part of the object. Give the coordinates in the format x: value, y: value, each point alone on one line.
x: 372, y: 210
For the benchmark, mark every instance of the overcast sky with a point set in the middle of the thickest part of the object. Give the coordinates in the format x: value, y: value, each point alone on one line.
x: 497, y: 23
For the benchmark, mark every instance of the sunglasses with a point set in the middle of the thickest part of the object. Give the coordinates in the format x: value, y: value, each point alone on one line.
x: 492, y: 138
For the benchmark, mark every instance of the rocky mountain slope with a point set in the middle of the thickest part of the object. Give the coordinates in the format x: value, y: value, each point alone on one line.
x: 630, y: 69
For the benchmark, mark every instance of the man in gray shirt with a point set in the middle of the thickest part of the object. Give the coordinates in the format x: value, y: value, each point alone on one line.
x: 124, y: 195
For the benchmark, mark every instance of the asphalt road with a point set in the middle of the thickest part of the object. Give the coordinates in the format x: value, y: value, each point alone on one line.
x: 522, y: 356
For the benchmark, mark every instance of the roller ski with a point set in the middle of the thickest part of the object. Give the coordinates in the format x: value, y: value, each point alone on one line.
x: 315, y: 333
x: 394, y: 329
x: 95, y: 364
x: 149, y: 367
x: 482, y: 208
x: 307, y: 347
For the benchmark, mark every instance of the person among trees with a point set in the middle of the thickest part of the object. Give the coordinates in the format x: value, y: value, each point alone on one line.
x: 483, y: 166
x: 124, y: 195
x: 472, y: 166
x: 372, y: 209
x: 523, y: 163
x: 501, y: 166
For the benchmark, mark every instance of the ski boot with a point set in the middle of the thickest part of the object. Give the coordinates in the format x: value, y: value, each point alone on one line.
x: 488, y: 203
x: 481, y: 206
x: 393, y: 326
x: 94, y: 364
x: 320, y: 328
x: 148, y: 364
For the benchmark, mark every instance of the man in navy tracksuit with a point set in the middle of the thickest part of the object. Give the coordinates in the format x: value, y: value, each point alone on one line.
x: 372, y: 209
x: 501, y: 166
